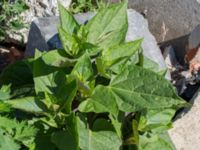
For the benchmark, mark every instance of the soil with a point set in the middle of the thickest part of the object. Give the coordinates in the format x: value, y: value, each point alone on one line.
x: 9, y: 53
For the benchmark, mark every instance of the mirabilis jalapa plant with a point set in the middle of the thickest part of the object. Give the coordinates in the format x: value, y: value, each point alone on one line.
x: 97, y: 93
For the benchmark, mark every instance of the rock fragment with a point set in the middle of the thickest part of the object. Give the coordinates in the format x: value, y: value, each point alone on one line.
x: 37, y: 8
x: 185, y: 132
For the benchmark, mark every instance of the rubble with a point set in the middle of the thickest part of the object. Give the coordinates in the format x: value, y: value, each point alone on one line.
x: 37, y: 9
x: 185, y: 132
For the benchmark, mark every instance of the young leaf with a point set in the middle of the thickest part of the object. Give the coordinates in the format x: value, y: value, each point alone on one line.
x: 129, y: 92
x: 115, y: 58
x: 158, y: 120
x: 69, y: 42
x: 83, y: 68
x: 5, y: 92
x: 4, y: 107
x: 68, y: 23
x: 109, y: 26
x: 117, y: 53
x: 151, y: 141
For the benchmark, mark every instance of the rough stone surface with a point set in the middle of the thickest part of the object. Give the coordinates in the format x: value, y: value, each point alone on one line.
x: 43, y: 35
x: 169, y: 19
x: 194, y: 38
x: 43, y: 8
x: 185, y: 133
x: 170, y: 58
x: 37, y: 8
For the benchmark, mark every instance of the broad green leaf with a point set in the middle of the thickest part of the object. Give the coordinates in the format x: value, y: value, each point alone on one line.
x: 58, y: 84
x: 5, y: 92
x: 117, y: 53
x: 101, y: 68
x: 150, y: 141
x: 156, y: 119
x: 47, y: 78
x: 147, y: 63
x: 7, y: 142
x: 28, y: 104
x: 56, y: 58
x: 67, y: 20
x: 83, y: 71
x: 109, y: 26
x: 67, y: 139
x: 69, y: 42
x: 83, y: 68
x: 129, y: 92
x: 116, y: 57
x: 102, y: 100
x: 43, y: 141
x: 102, y: 125
x: 71, y: 89
x: 91, y: 49
x: 54, y: 81
x: 64, y: 140
x: 101, y: 140
x: 151, y: 65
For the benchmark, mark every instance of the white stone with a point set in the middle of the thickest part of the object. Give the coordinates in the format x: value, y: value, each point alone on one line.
x: 170, y: 58
x: 194, y: 38
x: 186, y: 131
x: 37, y: 8
x: 139, y: 28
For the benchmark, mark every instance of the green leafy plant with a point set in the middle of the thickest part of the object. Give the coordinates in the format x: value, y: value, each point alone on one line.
x: 10, y: 20
x: 97, y: 93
